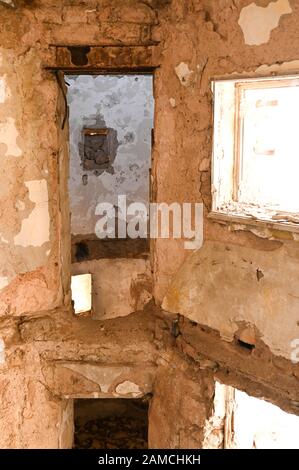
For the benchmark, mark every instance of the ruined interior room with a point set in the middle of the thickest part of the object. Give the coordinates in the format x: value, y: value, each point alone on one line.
x: 121, y: 122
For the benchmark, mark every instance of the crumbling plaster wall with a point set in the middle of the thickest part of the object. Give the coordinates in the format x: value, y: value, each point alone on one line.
x: 30, y: 278
x: 199, y: 39
x: 214, y: 45
x: 31, y: 416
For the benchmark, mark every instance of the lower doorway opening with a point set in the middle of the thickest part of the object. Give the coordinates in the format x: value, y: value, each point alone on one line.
x: 111, y: 423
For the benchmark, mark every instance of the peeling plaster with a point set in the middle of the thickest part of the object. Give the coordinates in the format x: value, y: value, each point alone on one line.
x: 291, y: 66
x: 10, y: 3
x: 66, y: 426
x: 258, y: 22
x: 2, y: 90
x: 288, y: 67
x: 184, y: 74
x: 103, y: 376
x: 8, y: 137
x: 20, y: 205
x: 127, y: 387
x: 3, y: 282
x: 35, y: 229
x: 261, y: 232
x: 5, y: 93
x: 2, y: 352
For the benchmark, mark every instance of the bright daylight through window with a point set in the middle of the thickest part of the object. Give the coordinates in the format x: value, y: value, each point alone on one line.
x: 255, y: 151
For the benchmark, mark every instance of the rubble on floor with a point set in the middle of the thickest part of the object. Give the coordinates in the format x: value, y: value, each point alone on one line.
x: 112, y: 433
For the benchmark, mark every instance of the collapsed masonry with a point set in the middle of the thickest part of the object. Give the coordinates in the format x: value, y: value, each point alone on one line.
x: 228, y: 311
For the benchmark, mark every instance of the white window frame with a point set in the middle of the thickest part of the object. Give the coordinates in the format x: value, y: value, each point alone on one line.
x: 226, y: 154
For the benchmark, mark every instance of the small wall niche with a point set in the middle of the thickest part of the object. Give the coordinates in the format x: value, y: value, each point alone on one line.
x: 96, y: 151
x: 115, y: 423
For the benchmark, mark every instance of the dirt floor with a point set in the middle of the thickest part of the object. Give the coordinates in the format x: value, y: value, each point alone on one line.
x: 111, y: 424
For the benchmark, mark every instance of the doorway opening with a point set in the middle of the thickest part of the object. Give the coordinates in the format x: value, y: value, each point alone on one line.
x: 111, y: 120
x: 105, y: 423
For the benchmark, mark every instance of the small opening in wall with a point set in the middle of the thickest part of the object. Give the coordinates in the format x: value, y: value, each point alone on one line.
x: 244, y: 345
x: 111, y: 423
x: 99, y: 146
x: 81, y: 293
x: 82, y: 251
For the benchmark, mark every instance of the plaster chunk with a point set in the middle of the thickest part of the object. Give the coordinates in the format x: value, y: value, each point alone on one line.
x: 35, y: 229
x: 128, y: 387
x: 184, y: 74
x: 258, y: 22
x: 8, y: 137
x: 8, y: 2
x: 247, y: 335
x: 289, y: 67
x: 20, y: 205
